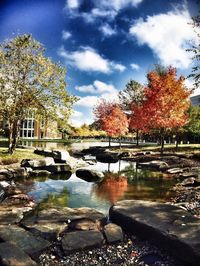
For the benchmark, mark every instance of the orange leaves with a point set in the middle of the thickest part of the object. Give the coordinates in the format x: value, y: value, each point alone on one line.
x: 166, y: 100
x: 111, y: 118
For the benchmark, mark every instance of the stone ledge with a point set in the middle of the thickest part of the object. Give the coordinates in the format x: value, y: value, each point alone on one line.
x: 168, y: 226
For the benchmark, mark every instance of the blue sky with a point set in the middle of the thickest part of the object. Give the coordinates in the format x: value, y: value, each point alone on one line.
x: 103, y: 44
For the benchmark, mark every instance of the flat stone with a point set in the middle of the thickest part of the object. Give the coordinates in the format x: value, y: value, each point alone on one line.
x: 83, y: 224
x: 107, y: 157
x: 10, y: 255
x: 113, y: 233
x: 175, y: 171
x: 37, y: 163
x: 89, y: 175
x: 23, y: 239
x: 154, y: 164
x: 80, y: 240
x: 169, y: 226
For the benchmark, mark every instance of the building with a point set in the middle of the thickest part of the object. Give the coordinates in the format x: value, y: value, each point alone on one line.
x: 195, y: 100
x: 32, y: 128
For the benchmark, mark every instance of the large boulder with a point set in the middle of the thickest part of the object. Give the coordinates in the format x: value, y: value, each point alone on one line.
x: 89, y: 175
x: 107, y: 157
x: 163, y: 224
x: 80, y: 240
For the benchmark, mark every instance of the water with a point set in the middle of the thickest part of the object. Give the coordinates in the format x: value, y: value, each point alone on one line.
x: 122, y: 180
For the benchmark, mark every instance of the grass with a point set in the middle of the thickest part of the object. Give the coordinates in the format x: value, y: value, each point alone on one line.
x: 18, y: 156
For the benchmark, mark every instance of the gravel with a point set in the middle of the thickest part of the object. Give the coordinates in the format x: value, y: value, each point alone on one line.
x: 130, y: 252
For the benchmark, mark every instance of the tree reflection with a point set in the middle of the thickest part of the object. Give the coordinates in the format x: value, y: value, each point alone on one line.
x: 55, y: 199
x: 112, y: 187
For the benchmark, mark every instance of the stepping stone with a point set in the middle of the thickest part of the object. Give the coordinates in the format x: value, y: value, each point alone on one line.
x: 80, y: 240
x: 10, y: 255
x: 166, y: 225
x: 23, y: 239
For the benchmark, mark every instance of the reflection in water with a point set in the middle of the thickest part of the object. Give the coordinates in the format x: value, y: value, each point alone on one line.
x: 124, y: 181
x: 112, y: 187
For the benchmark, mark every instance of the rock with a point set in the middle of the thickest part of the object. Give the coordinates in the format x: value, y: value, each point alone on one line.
x: 175, y: 171
x: 57, y: 168
x: 84, y: 225
x: 8, y: 174
x: 4, y: 184
x: 169, y: 226
x: 37, y: 163
x: 191, y: 182
x: 11, y: 255
x: 154, y: 164
x: 23, y: 239
x: 61, y: 156
x: 113, y: 233
x: 107, y: 157
x: 40, y: 173
x: 50, y: 223
x: 2, y: 177
x: 80, y: 240
x: 89, y: 175
x: 20, y: 172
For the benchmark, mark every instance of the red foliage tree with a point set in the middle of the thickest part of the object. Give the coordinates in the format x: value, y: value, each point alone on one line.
x: 166, y: 102
x: 111, y: 118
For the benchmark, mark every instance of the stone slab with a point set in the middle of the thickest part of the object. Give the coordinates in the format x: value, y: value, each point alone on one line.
x: 166, y: 225
x: 23, y: 239
x: 113, y: 233
x: 10, y: 255
x: 80, y: 240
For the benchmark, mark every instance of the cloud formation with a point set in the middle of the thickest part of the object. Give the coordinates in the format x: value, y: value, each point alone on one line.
x: 107, y: 30
x: 135, y: 66
x: 66, y: 35
x: 98, y: 87
x: 167, y: 35
x: 87, y: 59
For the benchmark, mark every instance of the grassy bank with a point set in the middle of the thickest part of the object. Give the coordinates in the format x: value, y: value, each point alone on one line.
x: 17, y: 157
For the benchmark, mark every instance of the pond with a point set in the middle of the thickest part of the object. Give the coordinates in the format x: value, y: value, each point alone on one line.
x: 121, y: 180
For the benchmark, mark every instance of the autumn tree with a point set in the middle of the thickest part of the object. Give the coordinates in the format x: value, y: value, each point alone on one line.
x: 111, y: 119
x: 29, y: 80
x: 131, y: 101
x: 193, y: 126
x: 166, y: 102
x: 195, y: 49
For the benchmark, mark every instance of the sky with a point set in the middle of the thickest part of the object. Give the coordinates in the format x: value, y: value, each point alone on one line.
x: 105, y: 43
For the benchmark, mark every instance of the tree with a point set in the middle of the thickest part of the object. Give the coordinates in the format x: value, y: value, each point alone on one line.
x: 30, y: 81
x: 132, y: 93
x: 195, y: 49
x: 111, y: 119
x: 131, y: 101
x: 166, y: 102
x: 193, y: 126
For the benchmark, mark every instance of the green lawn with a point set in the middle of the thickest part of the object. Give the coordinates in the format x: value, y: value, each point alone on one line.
x: 18, y: 156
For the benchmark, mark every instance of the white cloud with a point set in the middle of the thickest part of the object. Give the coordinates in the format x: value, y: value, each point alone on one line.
x: 98, y: 87
x: 77, y: 119
x: 66, y: 35
x: 167, y: 35
x: 190, y: 85
x: 87, y: 59
x: 73, y: 4
x: 135, y: 66
x: 87, y: 101
x: 119, y: 4
x: 107, y: 30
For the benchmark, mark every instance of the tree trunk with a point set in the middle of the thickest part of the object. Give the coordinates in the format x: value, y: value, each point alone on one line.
x: 137, y: 137
x: 162, y: 141
x: 120, y: 142
x: 14, y: 130
x: 109, y: 141
x: 177, y: 140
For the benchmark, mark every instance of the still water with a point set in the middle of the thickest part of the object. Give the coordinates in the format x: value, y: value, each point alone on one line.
x: 121, y: 180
